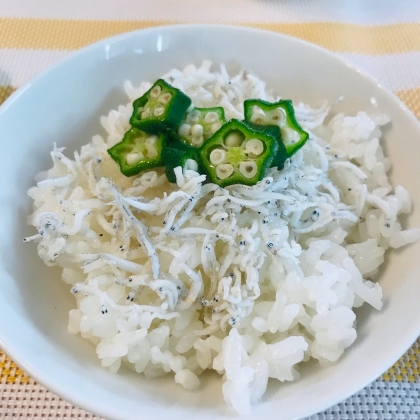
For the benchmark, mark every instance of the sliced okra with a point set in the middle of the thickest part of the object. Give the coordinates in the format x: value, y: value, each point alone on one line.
x: 199, y: 124
x: 281, y: 114
x: 161, y: 108
x: 237, y: 154
x: 138, y: 151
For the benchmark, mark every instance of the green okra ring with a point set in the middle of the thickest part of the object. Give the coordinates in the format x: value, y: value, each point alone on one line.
x: 138, y: 151
x: 237, y: 154
x: 279, y: 114
x: 161, y: 108
x: 199, y: 124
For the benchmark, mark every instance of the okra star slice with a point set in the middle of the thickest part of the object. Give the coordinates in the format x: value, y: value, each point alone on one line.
x: 161, y: 108
x: 176, y: 154
x: 282, y: 114
x: 138, y: 151
x: 199, y: 124
x: 237, y: 154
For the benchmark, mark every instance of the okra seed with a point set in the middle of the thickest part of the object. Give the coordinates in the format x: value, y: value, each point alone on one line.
x: 194, y: 115
x: 215, y: 127
x: 191, y: 165
x: 234, y: 139
x: 254, y: 147
x: 159, y: 111
x: 289, y: 136
x: 211, y: 117
x: 198, y: 141
x: 217, y: 156
x: 151, y: 141
x: 197, y: 130
x: 248, y: 169
x: 155, y: 92
x: 132, y: 158
x: 145, y: 113
x: 165, y: 98
x: 151, y: 151
x: 258, y: 119
x: 184, y: 130
x: 224, y: 170
x: 276, y: 116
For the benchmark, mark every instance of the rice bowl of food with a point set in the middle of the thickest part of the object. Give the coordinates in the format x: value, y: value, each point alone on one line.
x: 223, y: 227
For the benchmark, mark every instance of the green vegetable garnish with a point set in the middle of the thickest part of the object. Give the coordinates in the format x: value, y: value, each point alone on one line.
x: 281, y: 114
x: 176, y: 154
x: 138, y: 151
x: 199, y: 124
x: 237, y: 154
x: 161, y: 108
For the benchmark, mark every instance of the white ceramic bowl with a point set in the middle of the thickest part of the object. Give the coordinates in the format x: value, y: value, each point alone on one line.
x: 64, y: 104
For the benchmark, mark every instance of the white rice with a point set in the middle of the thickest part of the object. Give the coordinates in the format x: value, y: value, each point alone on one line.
x: 247, y: 281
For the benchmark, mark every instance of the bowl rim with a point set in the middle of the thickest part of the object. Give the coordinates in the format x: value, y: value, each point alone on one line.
x: 88, y: 404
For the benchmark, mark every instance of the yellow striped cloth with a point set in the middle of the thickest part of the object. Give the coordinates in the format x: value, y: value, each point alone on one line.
x: 380, y: 37
x: 349, y: 40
